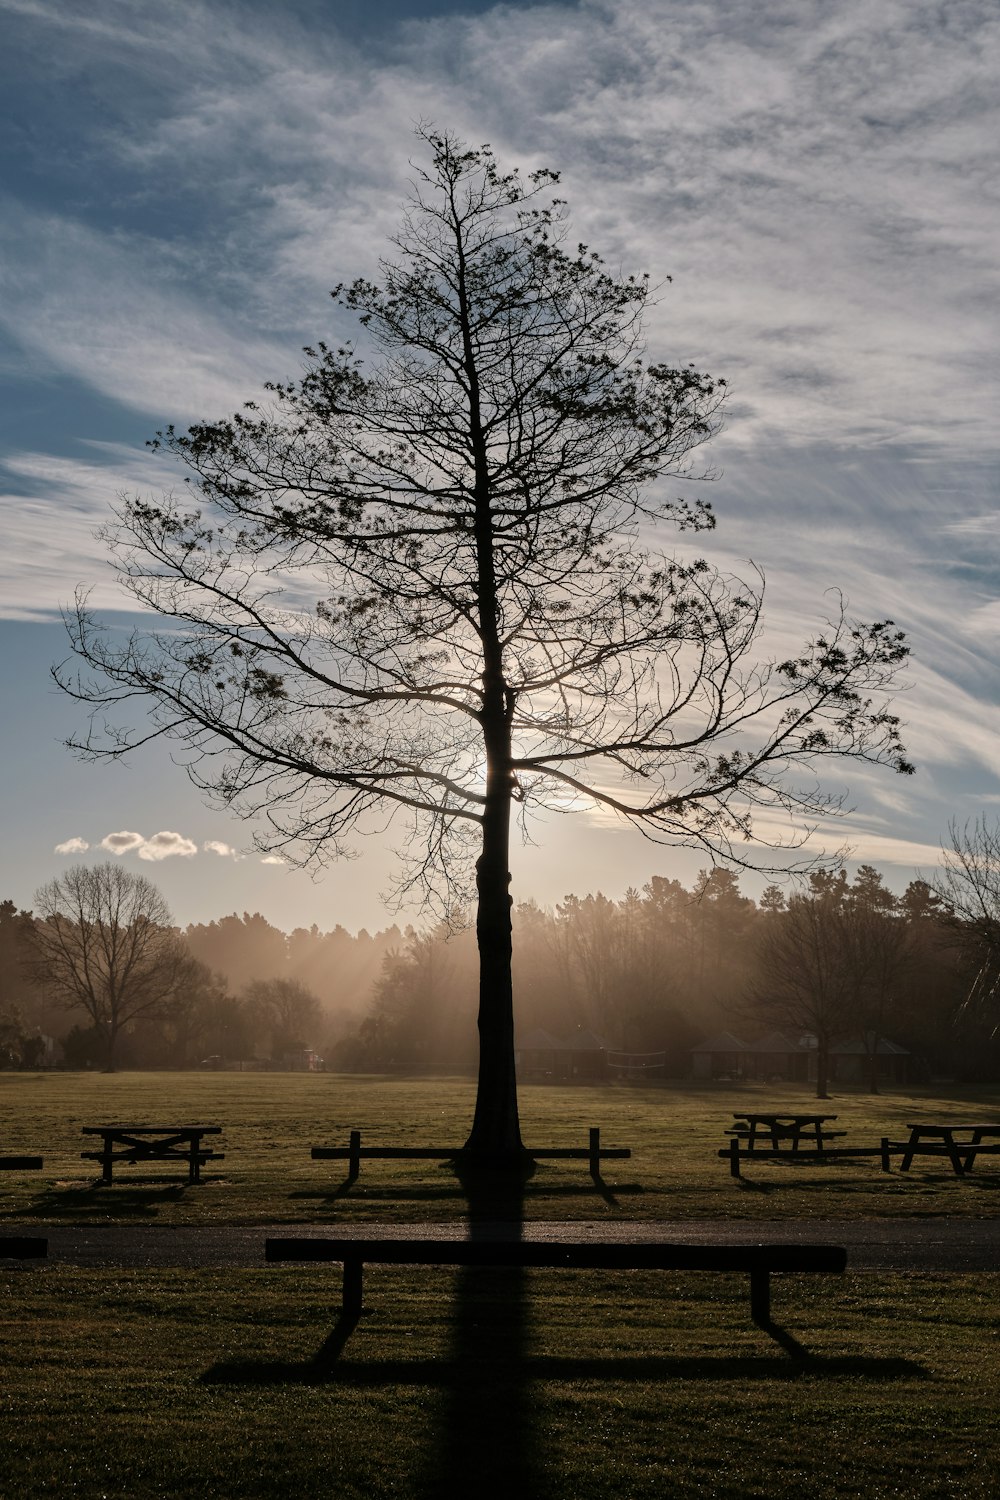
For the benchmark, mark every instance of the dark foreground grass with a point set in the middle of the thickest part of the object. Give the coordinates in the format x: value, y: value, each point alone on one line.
x: 574, y: 1386
x: 270, y: 1121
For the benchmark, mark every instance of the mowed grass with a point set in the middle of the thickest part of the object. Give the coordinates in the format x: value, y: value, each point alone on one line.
x: 588, y: 1386
x: 270, y: 1121
x: 540, y: 1384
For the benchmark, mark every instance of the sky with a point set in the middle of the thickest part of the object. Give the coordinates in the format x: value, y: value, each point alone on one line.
x: 182, y: 184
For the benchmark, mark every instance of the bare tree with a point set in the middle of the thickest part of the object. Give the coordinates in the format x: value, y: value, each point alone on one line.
x: 102, y: 941
x: 969, y: 886
x: 415, y: 588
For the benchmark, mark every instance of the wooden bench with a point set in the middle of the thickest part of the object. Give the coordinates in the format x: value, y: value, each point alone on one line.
x: 758, y: 1261
x: 21, y: 1163
x: 23, y: 1247
x: 352, y: 1153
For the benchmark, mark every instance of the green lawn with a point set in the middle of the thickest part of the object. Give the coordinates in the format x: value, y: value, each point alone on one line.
x: 587, y: 1386
x: 271, y: 1120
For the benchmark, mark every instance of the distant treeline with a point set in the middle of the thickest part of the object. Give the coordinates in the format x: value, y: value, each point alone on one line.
x: 656, y: 971
x: 666, y: 966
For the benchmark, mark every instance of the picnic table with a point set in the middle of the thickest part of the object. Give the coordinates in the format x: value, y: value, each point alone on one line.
x: 961, y: 1144
x: 152, y: 1143
x: 772, y: 1130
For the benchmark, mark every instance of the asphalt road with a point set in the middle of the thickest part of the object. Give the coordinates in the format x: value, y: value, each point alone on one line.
x: 931, y: 1244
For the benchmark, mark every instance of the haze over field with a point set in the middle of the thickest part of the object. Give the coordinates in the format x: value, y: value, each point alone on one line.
x: 185, y: 184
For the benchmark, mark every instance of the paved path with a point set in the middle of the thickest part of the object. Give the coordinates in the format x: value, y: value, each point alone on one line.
x: 932, y: 1244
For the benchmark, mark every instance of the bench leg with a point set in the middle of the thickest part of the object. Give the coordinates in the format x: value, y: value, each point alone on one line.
x: 734, y: 1157
x: 884, y: 1153
x: 353, y: 1286
x: 595, y: 1151
x: 760, y: 1296
x: 107, y: 1161
x: 354, y: 1157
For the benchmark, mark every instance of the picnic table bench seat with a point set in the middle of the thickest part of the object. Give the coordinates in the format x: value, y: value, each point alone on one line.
x: 21, y: 1163
x: 759, y: 1261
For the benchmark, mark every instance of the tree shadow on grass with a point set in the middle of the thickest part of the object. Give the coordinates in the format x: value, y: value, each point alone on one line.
x: 85, y: 1199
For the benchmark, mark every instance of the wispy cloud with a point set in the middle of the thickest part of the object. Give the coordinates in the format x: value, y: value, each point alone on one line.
x: 273, y: 859
x: 216, y: 846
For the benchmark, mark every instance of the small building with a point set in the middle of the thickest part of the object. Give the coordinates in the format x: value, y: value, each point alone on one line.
x: 581, y: 1058
x: 722, y: 1056
x: 850, y: 1061
x: 776, y: 1059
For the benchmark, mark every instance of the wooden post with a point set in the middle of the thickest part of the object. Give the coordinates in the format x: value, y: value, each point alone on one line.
x: 760, y: 1297
x: 595, y: 1151
x: 734, y: 1156
x: 107, y: 1159
x: 353, y: 1286
x: 354, y: 1159
x: 886, y: 1160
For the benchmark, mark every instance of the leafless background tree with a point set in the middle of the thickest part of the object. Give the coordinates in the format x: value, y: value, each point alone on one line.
x: 102, y: 941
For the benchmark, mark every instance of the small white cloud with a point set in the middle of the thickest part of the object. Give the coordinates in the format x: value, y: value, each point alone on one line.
x: 215, y: 846
x: 272, y: 859
x: 123, y: 842
x: 165, y: 845
x: 72, y: 846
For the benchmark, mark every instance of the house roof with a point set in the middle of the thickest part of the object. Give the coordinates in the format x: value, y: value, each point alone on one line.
x: 856, y: 1047
x: 724, y: 1042
x: 774, y: 1042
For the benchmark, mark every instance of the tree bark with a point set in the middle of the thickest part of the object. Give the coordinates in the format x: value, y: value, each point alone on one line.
x: 495, y: 1138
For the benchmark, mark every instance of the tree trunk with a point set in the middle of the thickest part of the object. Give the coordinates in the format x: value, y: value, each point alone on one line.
x: 495, y: 1138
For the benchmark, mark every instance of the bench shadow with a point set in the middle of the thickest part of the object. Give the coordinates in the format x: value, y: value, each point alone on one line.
x: 591, y: 1184
x: 327, y: 1366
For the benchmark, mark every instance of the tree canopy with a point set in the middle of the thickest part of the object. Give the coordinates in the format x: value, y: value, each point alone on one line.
x: 417, y: 584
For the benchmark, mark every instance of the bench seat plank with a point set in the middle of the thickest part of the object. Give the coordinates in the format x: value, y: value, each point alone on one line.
x: 758, y: 1260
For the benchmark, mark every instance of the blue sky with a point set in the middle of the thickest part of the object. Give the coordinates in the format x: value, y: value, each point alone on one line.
x: 183, y: 183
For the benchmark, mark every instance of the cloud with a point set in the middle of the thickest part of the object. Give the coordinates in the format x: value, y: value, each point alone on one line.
x: 165, y: 845
x: 273, y: 859
x: 215, y: 846
x: 123, y: 842
x: 72, y: 846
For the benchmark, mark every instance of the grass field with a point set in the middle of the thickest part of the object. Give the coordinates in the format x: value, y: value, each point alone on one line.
x: 271, y: 1120
x: 535, y: 1385
x: 570, y: 1386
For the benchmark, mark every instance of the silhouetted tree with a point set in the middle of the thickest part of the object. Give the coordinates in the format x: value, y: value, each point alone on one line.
x: 288, y: 1011
x: 418, y: 590
x: 102, y: 941
x: 808, y: 975
x: 881, y: 947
